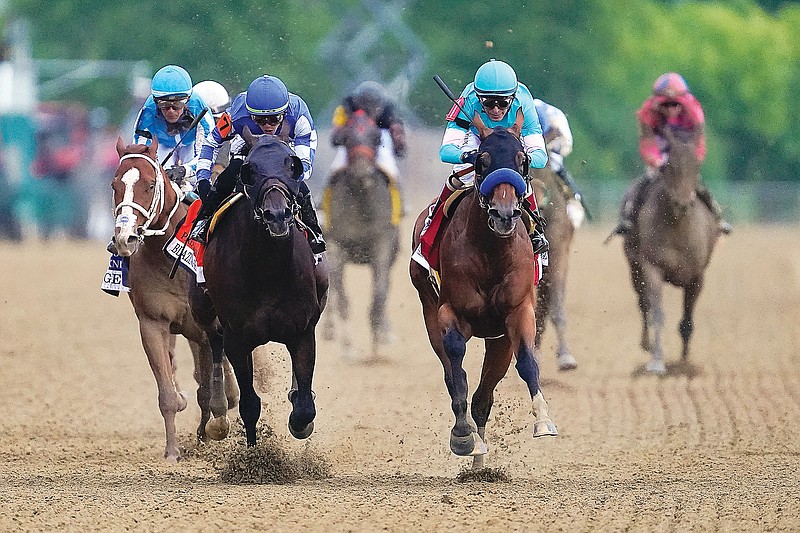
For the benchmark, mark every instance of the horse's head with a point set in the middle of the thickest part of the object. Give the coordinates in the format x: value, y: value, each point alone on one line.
x: 682, y: 171
x: 501, y: 168
x: 140, y: 196
x: 271, y: 177
x: 360, y: 136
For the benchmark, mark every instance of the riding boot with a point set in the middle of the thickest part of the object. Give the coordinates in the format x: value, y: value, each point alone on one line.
x: 221, y: 189
x: 538, y: 223
x: 433, y: 222
x: 309, y: 217
x: 705, y: 196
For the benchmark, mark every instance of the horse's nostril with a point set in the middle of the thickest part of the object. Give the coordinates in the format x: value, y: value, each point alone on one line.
x: 132, y: 239
x: 494, y: 213
x: 517, y: 213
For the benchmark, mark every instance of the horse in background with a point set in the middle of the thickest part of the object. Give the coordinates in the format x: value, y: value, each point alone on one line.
x: 362, y: 208
x: 672, y: 240
x: 261, y: 280
x: 552, y: 290
x: 147, y: 209
x: 487, y: 268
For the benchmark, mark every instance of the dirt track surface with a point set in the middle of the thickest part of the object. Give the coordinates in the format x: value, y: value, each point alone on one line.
x: 712, y: 445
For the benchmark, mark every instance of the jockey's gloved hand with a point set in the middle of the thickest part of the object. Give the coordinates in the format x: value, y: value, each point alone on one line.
x: 469, y: 157
x: 176, y: 173
x: 203, y: 187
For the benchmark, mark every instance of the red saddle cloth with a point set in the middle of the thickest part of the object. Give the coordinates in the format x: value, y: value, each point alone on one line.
x: 191, y: 252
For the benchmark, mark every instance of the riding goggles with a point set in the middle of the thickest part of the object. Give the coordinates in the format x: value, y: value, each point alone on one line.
x: 490, y: 102
x: 272, y: 120
x: 175, y: 105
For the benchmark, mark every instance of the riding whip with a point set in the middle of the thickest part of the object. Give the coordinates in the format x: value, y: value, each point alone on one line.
x: 192, y: 126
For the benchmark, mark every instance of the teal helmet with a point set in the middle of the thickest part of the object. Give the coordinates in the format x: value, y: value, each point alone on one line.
x: 171, y: 82
x: 495, y: 78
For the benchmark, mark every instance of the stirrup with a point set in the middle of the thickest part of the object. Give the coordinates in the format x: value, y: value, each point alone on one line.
x: 540, y: 243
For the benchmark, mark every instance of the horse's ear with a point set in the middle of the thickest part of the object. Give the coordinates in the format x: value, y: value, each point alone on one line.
x: 516, y: 129
x: 246, y: 174
x: 482, y: 162
x: 248, y: 137
x: 120, y: 146
x: 297, y: 167
x: 152, y: 150
x: 483, y: 131
x: 523, y: 161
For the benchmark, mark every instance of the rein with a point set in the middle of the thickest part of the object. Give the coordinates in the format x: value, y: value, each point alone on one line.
x: 156, y: 205
x: 258, y: 211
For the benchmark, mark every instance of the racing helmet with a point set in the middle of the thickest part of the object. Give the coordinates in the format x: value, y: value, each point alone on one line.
x: 670, y: 85
x: 171, y: 83
x: 495, y: 78
x: 370, y: 97
x: 214, y: 95
x: 267, y: 95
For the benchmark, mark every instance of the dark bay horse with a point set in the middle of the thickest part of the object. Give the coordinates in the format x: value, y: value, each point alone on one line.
x: 487, y: 290
x: 672, y: 240
x: 147, y: 208
x: 262, y: 281
x: 551, y: 296
x: 362, y: 208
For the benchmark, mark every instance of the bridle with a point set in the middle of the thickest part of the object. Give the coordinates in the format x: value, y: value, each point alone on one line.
x: 256, y: 203
x: 156, y: 205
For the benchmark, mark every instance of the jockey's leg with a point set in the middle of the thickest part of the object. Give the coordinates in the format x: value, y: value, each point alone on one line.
x: 632, y: 201
x: 221, y: 189
x: 433, y: 222
x: 309, y: 217
x: 538, y: 223
x: 575, y: 209
x: 705, y: 196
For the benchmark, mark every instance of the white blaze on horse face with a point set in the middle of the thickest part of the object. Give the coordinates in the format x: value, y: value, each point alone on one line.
x: 126, y: 218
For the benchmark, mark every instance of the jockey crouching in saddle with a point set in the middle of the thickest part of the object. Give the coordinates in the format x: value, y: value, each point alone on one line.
x: 496, y: 95
x: 370, y: 97
x: 218, y: 100
x: 558, y: 137
x: 266, y: 107
x: 670, y: 105
x: 167, y: 114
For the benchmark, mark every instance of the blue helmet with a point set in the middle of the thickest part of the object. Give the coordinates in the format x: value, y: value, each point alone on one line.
x: 267, y: 95
x: 171, y: 81
x: 495, y: 78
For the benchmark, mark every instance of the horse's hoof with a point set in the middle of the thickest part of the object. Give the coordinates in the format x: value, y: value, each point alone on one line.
x: 468, y: 446
x: 218, y: 428
x: 183, y: 401
x: 303, y: 433
x: 544, y: 428
x: 566, y: 362
x: 657, y: 367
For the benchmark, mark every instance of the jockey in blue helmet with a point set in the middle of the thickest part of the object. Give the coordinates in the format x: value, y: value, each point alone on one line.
x: 267, y: 107
x: 167, y: 114
x: 495, y: 95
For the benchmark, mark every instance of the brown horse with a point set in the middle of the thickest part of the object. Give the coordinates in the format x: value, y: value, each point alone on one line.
x: 487, y: 290
x: 363, y: 228
x: 672, y: 240
x: 262, y: 280
x: 147, y: 210
x: 551, y: 296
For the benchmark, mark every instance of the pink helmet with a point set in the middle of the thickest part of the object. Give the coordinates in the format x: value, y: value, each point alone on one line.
x: 670, y: 85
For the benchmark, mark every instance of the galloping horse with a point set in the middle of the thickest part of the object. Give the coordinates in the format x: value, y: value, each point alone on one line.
x: 487, y: 290
x: 672, y: 240
x: 262, y: 281
x: 147, y: 210
x: 551, y: 296
x: 362, y: 209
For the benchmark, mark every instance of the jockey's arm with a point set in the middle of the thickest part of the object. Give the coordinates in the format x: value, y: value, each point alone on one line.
x: 208, y: 154
x: 456, y: 141
x: 305, y: 143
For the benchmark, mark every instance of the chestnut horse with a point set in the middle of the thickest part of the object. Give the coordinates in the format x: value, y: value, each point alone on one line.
x: 262, y: 280
x: 672, y: 240
x: 487, y: 290
x: 552, y: 293
x: 362, y: 209
x: 148, y: 207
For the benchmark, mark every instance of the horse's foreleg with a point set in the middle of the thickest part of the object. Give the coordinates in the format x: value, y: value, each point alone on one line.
x: 174, y: 364
x: 495, y: 365
x: 156, y: 340
x: 201, y: 354
x: 690, y: 294
x: 521, y: 325
x: 381, y: 268
x: 564, y: 356
x: 304, y: 353
x: 218, y: 427
x: 653, y: 291
x: 464, y: 439
x: 241, y: 358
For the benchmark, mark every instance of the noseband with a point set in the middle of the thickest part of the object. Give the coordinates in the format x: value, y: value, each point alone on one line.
x: 156, y: 205
x: 259, y: 213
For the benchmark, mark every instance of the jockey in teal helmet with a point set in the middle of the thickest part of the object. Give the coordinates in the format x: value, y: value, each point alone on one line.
x: 167, y: 114
x: 496, y: 96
